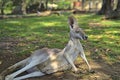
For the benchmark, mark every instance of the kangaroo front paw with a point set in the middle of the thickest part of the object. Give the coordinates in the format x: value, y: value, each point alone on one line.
x: 75, y: 70
x: 9, y: 77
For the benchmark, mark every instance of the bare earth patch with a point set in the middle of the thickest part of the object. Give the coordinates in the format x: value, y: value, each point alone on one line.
x: 103, y: 71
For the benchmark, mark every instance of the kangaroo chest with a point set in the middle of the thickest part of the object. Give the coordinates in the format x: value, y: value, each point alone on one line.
x: 74, y: 50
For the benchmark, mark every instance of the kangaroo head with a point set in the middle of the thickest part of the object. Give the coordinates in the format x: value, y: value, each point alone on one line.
x: 75, y: 31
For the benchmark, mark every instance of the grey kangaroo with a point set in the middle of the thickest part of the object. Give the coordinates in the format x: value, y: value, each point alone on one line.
x: 46, y: 61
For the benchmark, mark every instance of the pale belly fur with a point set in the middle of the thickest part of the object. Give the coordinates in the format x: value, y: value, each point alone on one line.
x: 58, y: 63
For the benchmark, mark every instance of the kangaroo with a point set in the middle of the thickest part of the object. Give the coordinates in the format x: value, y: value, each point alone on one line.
x: 46, y: 61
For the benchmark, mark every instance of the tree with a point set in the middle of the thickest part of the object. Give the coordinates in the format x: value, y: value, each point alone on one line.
x: 20, y: 6
x: 46, y: 3
x: 107, y: 9
x: 116, y: 13
x: 103, y: 8
x: 23, y: 6
x: 3, y: 4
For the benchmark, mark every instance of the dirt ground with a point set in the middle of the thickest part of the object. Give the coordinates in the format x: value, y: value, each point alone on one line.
x: 103, y: 71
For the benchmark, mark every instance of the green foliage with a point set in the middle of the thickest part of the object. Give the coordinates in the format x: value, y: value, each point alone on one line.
x: 9, y: 5
x: 6, y: 5
x: 64, y: 4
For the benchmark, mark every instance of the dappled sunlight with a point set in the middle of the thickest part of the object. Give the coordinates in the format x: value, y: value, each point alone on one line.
x: 102, y: 37
x: 50, y: 35
x: 54, y: 63
x: 111, y: 32
x: 109, y: 42
x: 13, y: 22
x: 109, y: 23
x: 86, y: 18
x: 95, y: 37
x: 47, y: 24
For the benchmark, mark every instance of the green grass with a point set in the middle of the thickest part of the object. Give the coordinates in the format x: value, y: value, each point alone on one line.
x: 29, y: 34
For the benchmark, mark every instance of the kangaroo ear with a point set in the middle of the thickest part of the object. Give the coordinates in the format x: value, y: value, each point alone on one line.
x: 72, y: 21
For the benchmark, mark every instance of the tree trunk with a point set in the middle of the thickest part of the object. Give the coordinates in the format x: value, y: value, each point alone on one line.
x: 109, y: 9
x: 23, y: 7
x: 106, y: 7
x: 2, y: 11
x: 118, y: 6
x: 83, y: 3
x: 2, y: 8
x: 46, y: 3
x: 103, y: 8
x: 113, y: 14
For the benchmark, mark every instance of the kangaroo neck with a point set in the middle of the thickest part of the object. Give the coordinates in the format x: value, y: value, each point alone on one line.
x: 72, y: 48
x: 74, y: 41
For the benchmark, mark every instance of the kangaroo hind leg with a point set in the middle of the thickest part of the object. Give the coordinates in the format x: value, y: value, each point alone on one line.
x: 30, y: 75
x: 12, y: 68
